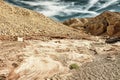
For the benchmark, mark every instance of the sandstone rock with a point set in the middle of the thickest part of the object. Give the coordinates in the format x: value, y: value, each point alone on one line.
x: 76, y: 22
x: 38, y: 59
x: 107, y: 22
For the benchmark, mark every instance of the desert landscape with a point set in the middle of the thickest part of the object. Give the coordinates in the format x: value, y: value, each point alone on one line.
x: 35, y: 47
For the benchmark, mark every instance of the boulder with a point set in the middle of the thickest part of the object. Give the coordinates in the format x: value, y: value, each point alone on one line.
x: 112, y: 40
x: 105, y: 23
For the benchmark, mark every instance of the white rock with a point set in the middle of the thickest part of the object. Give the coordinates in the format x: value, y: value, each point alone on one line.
x: 20, y: 39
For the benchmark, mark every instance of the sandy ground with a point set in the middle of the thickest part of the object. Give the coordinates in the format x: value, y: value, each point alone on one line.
x: 37, y: 60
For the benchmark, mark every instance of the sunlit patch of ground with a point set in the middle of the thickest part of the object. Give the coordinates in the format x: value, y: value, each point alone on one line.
x: 35, y: 59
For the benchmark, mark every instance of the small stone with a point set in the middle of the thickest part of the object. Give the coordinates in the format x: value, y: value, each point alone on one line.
x: 112, y: 40
x: 2, y: 77
x: 20, y: 39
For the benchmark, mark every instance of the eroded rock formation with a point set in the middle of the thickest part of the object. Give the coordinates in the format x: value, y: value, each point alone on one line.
x: 50, y: 60
x: 107, y: 22
x: 76, y: 22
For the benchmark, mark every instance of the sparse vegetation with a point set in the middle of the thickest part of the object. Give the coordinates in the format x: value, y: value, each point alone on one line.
x: 74, y: 66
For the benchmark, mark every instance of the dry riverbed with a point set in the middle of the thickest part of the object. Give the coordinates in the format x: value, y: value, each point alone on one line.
x: 37, y: 60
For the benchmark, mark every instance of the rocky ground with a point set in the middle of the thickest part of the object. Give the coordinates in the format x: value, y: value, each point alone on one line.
x: 51, y: 60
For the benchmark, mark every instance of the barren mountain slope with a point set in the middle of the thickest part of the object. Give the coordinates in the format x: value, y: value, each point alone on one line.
x: 15, y: 21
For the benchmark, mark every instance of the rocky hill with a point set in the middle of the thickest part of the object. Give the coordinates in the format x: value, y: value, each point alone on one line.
x: 106, y: 23
x: 16, y: 21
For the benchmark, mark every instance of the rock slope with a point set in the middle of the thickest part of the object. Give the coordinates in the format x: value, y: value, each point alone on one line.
x: 106, y: 23
x: 16, y: 21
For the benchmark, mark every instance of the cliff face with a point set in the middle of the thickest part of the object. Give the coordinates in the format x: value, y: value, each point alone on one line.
x: 15, y: 21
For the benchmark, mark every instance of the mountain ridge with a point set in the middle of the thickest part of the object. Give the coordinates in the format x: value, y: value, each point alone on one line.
x: 16, y: 21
